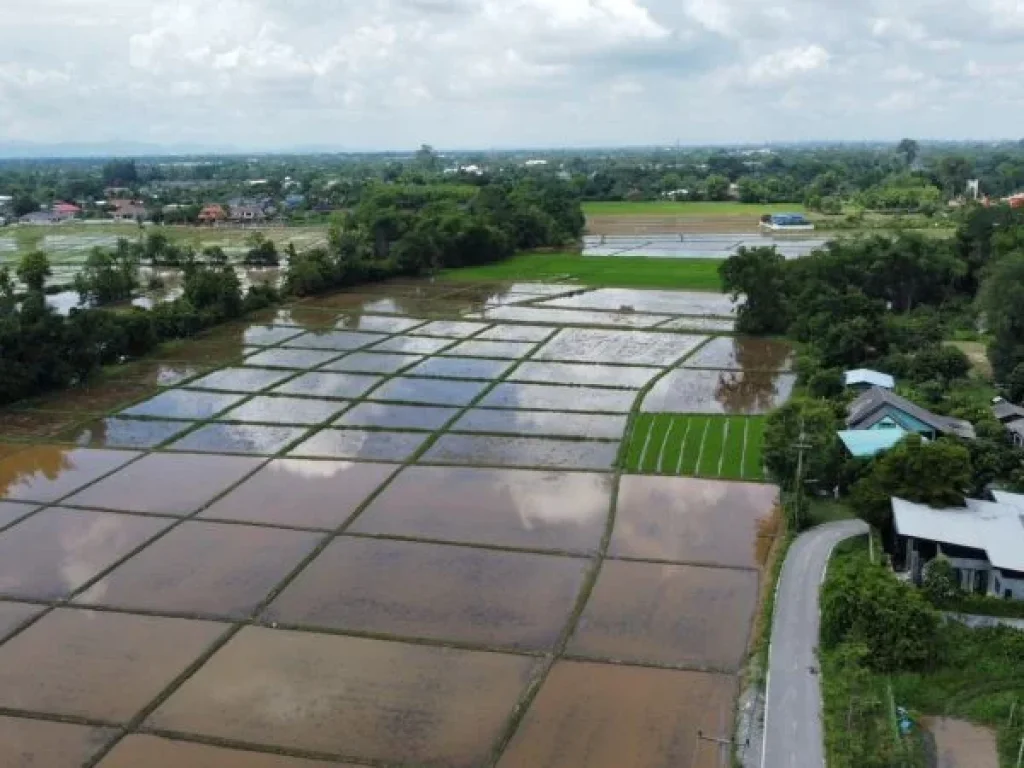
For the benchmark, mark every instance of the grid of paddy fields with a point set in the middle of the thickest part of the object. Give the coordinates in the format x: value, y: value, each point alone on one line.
x: 414, y: 525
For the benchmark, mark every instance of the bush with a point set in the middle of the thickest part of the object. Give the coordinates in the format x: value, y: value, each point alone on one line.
x: 939, y: 584
x: 865, y: 603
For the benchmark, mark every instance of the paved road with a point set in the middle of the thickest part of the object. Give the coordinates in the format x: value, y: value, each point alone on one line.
x: 793, y: 736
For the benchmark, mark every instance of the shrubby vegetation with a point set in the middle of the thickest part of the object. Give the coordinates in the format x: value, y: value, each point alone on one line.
x: 395, y: 231
x: 884, y: 644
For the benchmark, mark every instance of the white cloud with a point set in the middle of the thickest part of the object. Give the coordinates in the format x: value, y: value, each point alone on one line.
x: 395, y: 73
x: 789, y: 63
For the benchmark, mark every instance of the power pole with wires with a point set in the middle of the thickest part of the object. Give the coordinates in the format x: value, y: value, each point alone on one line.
x: 801, y: 446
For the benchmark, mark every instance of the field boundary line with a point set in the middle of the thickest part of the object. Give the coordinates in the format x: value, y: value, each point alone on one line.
x: 664, y: 445
x: 725, y: 445
x: 700, y: 454
x: 682, y: 447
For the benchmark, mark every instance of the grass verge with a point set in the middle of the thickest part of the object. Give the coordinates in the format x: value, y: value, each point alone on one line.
x: 598, y: 271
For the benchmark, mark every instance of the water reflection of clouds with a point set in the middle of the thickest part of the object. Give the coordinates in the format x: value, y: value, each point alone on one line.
x: 558, y: 499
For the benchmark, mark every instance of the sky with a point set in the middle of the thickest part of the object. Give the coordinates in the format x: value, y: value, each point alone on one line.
x: 393, y: 74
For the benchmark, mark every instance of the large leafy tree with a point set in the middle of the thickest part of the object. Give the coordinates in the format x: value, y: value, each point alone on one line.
x: 33, y: 269
x: 1002, y: 301
x: 909, y: 149
x: 758, y: 275
x: 811, y: 423
x: 937, y: 473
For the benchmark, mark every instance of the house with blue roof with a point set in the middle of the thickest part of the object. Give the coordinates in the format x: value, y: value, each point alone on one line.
x: 868, y: 443
x: 879, y: 409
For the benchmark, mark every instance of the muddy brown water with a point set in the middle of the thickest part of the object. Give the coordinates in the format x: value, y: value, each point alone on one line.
x: 720, y: 392
x: 299, y: 493
x: 156, y: 752
x: 50, y: 743
x: 512, y: 508
x: 41, y: 671
x: 54, y: 552
x: 210, y: 569
x: 692, y: 521
x: 590, y: 715
x: 675, y: 615
x: 445, y: 557
x: 743, y: 353
x: 503, y: 600
x: 388, y: 701
x: 165, y: 483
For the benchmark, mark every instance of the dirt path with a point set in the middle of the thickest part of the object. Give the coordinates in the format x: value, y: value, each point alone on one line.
x: 959, y: 744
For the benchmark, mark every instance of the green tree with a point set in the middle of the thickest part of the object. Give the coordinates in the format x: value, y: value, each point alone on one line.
x: 1002, y: 301
x: 120, y: 173
x: 33, y: 269
x: 716, y: 187
x: 1015, y: 384
x: 107, y: 276
x: 936, y: 473
x: 758, y: 276
x: 909, y: 149
x: 812, y: 423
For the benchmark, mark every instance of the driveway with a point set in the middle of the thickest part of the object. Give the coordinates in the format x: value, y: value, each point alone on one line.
x: 793, y: 735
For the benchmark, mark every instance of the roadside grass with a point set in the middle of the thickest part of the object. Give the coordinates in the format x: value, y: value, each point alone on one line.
x: 977, y: 676
x: 690, y: 209
x: 696, y: 446
x: 823, y: 511
x: 624, y: 272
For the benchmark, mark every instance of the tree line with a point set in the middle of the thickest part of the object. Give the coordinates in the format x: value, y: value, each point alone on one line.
x: 890, y: 304
x: 396, y: 231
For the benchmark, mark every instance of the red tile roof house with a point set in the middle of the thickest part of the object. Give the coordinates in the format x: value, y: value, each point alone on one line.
x: 211, y: 214
x: 65, y: 211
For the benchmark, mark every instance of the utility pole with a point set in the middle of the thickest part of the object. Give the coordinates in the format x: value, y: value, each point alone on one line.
x: 801, y: 446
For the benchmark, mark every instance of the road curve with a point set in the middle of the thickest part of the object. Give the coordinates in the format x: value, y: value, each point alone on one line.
x: 793, y: 735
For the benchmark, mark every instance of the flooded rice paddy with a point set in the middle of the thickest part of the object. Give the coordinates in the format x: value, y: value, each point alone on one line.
x: 387, y: 528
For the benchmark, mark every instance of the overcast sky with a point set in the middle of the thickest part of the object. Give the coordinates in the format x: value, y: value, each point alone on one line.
x: 381, y: 74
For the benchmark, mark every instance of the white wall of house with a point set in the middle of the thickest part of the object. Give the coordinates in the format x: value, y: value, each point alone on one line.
x: 1001, y: 585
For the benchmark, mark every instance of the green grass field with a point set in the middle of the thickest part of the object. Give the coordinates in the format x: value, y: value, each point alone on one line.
x: 726, y: 447
x: 696, y: 210
x: 624, y: 272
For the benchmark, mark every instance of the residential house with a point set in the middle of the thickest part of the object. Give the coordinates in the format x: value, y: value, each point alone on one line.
x: 1012, y: 417
x: 65, y: 211
x: 868, y: 443
x: 127, y: 210
x: 248, y: 213
x: 212, y: 214
x: 983, y: 541
x: 39, y: 218
x: 864, y: 379
x: 879, y: 408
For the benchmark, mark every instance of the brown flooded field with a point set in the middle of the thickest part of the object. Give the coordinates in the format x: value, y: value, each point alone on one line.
x: 382, y: 529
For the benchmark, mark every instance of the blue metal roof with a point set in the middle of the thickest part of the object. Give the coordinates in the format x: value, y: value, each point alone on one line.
x: 865, y: 443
